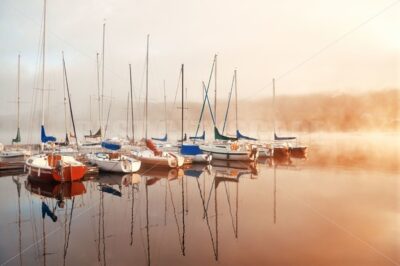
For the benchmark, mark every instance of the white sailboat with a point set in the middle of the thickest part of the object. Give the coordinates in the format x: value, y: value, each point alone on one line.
x: 152, y: 157
x: 114, y: 162
x: 15, y: 152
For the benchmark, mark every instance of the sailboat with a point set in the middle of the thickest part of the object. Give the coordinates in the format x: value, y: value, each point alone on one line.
x: 190, y: 151
x: 15, y: 152
x: 226, y: 148
x: 54, y: 167
x: 114, y: 162
x: 284, y: 146
x: 152, y: 156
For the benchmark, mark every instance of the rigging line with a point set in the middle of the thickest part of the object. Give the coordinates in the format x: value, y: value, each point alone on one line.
x: 207, y: 221
x: 176, y: 218
x: 342, y: 228
x: 209, y: 197
x: 42, y: 238
x: 326, y: 47
x: 206, y: 98
x: 79, y: 51
x: 229, y: 103
x: 230, y: 207
x: 177, y: 88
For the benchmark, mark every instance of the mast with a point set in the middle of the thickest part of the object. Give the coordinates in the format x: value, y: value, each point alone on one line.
x: 273, y: 104
x: 165, y: 110
x: 90, y: 112
x: 127, y: 116
x: 204, y: 100
x: 102, y: 72
x: 215, y: 89
x: 236, y: 102
x: 18, y: 98
x: 133, y: 125
x: 43, y: 59
x: 147, y: 85
x: 98, y: 88
x: 70, y: 105
x: 65, y: 106
x: 183, y: 95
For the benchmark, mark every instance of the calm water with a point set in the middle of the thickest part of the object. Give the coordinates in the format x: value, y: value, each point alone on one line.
x: 301, y: 212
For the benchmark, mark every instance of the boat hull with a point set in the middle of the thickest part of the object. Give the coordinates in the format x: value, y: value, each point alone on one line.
x: 231, y: 155
x: 122, y: 164
x: 57, y: 168
x: 160, y: 161
x: 69, y: 174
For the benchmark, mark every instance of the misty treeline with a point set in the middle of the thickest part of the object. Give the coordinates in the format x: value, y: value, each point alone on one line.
x: 377, y: 110
x: 372, y: 111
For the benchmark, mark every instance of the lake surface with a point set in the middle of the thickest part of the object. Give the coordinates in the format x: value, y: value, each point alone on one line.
x: 297, y: 212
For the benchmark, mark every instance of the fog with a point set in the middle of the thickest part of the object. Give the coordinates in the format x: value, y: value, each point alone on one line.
x: 376, y: 111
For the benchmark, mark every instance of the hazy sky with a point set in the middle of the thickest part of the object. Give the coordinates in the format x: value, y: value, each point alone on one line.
x: 309, y: 45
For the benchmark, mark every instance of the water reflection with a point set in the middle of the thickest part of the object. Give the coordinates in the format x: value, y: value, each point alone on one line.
x: 163, y: 217
x: 55, y: 196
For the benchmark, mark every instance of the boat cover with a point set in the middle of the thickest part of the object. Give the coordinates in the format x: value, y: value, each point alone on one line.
x: 202, y: 137
x: 219, y: 136
x: 45, y: 138
x: 283, y: 138
x: 17, y: 138
x: 110, y: 145
x: 190, y: 149
x: 240, y: 136
x: 165, y: 138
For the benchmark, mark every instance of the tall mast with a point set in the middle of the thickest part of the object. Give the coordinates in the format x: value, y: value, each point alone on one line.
x: 65, y: 103
x: 102, y: 71
x: 98, y: 89
x: 183, y: 95
x: 204, y: 100
x: 70, y: 105
x: 18, y: 99
x: 165, y: 110
x: 133, y: 125
x: 236, y: 102
x: 90, y: 112
x: 147, y: 84
x: 215, y: 90
x: 273, y: 104
x: 43, y: 58
x: 127, y: 115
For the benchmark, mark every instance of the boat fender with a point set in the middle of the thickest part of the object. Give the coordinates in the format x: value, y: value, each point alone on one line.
x: 234, y: 146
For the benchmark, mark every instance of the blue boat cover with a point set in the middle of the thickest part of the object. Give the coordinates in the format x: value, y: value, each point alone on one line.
x: 110, y: 190
x: 202, y: 137
x: 45, y: 138
x: 110, y: 145
x: 240, y: 136
x: 283, y: 138
x: 46, y: 211
x: 193, y: 173
x: 190, y: 149
x: 165, y: 138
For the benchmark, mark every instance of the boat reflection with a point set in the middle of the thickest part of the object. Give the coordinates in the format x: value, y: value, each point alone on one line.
x: 61, y: 193
x: 151, y: 198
